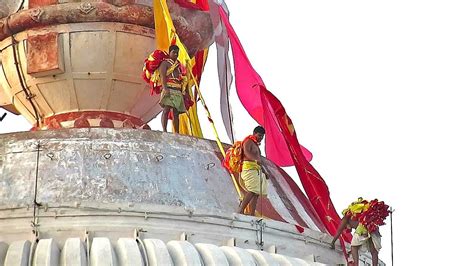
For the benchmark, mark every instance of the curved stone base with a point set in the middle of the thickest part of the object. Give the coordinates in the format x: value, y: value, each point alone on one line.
x: 119, y: 234
x: 131, y: 251
x: 120, y: 186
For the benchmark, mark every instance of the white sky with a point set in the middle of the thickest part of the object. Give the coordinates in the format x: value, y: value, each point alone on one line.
x: 381, y: 92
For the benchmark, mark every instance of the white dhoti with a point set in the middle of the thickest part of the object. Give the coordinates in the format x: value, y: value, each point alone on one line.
x: 363, y: 241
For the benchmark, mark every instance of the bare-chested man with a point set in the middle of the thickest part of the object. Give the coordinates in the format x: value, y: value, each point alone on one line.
x: 172, y: 92
x: 252, y: 174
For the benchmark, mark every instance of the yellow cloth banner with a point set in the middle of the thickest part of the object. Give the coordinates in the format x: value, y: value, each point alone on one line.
x: 189, y: 121
x: 165, y: 32
x: 193, y: 128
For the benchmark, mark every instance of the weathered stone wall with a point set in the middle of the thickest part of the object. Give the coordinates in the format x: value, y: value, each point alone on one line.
x: 101, y: 185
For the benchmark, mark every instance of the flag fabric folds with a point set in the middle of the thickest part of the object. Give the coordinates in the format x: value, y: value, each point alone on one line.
x: 223, y: 66
x: 281, y: 146
x: 248, y: 82
x: 314, y: 185
x: 163, y: 25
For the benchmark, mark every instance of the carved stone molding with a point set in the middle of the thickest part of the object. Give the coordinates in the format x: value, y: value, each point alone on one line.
x: 35, y: 14
x: 86, y: 8
x: 193, y: 26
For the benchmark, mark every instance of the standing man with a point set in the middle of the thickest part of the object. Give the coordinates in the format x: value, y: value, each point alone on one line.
x: 252, y: 174
x: 172, y: 91
x: 362, y: 240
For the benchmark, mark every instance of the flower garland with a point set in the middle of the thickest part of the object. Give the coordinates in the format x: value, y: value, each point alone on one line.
x: 370, y: 214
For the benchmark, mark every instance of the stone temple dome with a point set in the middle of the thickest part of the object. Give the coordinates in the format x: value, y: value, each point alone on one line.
x: 92, y: 185
x: 64, y: 59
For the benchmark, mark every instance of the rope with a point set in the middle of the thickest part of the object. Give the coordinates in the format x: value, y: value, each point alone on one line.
x: 16, y: 55
x: 34, y: 223
x: 261, y: 195
x: 216, y: 135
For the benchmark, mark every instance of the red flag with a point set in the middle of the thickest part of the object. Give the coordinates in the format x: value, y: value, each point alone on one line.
x: 313, y: 184
x: 199, y: 5
x: 281, y: 146
x: 203, y: 4
x: 247, y: 82
x: 200, y: 61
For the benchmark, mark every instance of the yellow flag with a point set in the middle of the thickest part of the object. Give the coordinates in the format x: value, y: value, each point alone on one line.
x: 163, y: 32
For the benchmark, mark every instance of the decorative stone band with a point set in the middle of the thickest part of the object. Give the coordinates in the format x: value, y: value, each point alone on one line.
x: 193, y: 26
x: 86, y: 119
x: 75, y: 13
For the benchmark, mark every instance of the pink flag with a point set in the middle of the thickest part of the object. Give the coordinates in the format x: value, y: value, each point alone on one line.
x: 282, y: 146
x: 248, y: 83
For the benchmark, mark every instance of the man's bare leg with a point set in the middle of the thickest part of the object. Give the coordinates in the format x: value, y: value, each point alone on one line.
x: 373, y: 252
x: 247, y: 198
x: 253, y: 205
x: 175, y: 120
x: 164, y: 118
x: 355, y: 255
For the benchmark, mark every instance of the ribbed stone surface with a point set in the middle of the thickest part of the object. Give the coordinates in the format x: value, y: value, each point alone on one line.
x: 104, y: 252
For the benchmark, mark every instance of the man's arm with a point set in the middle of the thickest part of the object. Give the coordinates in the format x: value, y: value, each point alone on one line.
x: 341, y: 228
x: 162, y: 69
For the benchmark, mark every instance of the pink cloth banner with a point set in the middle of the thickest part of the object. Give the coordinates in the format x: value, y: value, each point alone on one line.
x: 248, y: 83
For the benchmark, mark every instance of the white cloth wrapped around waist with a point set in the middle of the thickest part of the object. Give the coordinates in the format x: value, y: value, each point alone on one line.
x: 363, y: 241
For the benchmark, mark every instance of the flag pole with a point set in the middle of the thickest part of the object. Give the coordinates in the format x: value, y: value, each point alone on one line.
x: 216, y: 135
x: 391, y: 234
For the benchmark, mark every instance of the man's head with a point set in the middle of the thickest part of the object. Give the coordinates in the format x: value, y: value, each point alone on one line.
x: 174, y: 51
x: 259, y: 133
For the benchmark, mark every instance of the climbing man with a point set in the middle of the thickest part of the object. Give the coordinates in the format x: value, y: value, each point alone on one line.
x: 172, y: 79
x: 365, y: 217
x: 253, y: 176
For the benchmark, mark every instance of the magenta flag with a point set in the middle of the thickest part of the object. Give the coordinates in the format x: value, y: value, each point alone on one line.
x: 248, y: 83
x: 281, y: 143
